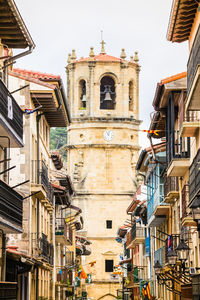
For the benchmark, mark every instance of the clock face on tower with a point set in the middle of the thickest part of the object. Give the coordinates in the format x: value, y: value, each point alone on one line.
x: 108, y: 135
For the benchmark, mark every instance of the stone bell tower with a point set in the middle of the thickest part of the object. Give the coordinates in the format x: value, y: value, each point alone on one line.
x: 103, y: 93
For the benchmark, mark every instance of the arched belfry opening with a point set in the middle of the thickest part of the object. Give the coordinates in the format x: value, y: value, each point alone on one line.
x: 82, y: 93
x: 131, y: 95
x: 107, y: 93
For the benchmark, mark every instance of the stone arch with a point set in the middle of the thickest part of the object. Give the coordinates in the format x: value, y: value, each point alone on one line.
x: 107, y: 295
x: 107, y: 92
x: 111, y: 74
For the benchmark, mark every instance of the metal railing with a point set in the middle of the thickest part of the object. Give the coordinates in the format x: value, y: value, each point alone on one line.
x: 194, y: 176
x: 186, y: 116
x: 159, y: 255
x: 177, y: 146
x: 137, y: 232
x: 8, y: 290
x: 61, y: 228
x: 155, y: 200
x: 11, y: 204
x: 39, y: 175
x: 170, y: 185
x: 69, y: 258
x: 42, y: 248
x: 10, y: 110
x: 193, y: 61
x: 185, y: 200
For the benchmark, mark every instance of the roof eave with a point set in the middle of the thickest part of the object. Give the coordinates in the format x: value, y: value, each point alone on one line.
x: 21, y: 24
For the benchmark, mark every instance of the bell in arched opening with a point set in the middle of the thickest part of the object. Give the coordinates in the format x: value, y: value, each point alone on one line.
x: 82, y: 93
x: 107, y: 93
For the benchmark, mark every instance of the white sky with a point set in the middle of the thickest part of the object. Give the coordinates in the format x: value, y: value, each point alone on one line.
x: 59, y: 26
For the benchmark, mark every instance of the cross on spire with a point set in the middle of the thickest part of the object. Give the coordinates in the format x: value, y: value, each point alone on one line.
x: 102, y: 44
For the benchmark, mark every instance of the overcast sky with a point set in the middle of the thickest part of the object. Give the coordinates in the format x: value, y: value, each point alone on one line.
x: 59, y: 26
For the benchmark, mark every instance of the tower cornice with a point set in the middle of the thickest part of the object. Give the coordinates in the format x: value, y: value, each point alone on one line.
x: 106, y: 120
x: 104, y: 146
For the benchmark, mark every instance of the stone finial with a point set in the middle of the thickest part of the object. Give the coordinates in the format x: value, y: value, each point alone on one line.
x: 136, y: 58
x: 92, y: 55
x: 69, y: 58
x: 123, y: 54
x: 131, y: 59
x: 73, y: 57
x: 103, y: 51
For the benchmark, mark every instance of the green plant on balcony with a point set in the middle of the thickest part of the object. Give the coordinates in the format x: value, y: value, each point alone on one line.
x: 82, y: 108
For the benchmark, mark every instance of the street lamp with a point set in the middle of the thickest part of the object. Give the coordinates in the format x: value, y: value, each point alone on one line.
x: 183, y: 250
x: 157, y: 268
x: 172, y: 257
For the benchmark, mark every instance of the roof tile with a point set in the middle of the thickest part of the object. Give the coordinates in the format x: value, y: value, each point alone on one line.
x: 174, y: 77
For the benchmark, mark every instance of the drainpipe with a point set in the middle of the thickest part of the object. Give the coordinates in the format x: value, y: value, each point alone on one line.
x: 38, y: 117
x: 3, y: 266
x: 13, y: 58
x: 152, y: 150
x: 36, y: 285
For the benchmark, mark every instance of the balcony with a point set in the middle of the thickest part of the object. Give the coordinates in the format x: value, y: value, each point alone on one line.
x: 194, y: 181
x: 159, y: 255
x: 40, y: 183
x: 188, y: 120
x: 135, y: 236
x: 8, y: 290
x: 187, y: 219
x: 193, y: 75
x: 63, y: 232
x: 171, y: 189
x: 42, y: 248
x: 135, y: 275
x: 11, y: 119
x: 11, y: 209
x: 157, y: 210
x: 64, y: 278
x: 178, y: 154
x: 69, y: 259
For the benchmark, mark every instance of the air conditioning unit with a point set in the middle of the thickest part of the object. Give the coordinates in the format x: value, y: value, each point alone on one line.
x: 192, y: 271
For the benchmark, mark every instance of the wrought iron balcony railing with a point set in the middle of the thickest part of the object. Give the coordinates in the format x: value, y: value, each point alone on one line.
x: 39, y: 175
x: 42, y: 248
x: 137, y: 232
x: 194, y: 177
x: 63, y: 229
x: 69, y: 259
x: 11, y: 205
x: 11, y: 112
x: 171, y: 185
x: 177, y: 147
x: 135, y: 235
x: 8, y: 290
x: 159, y: 255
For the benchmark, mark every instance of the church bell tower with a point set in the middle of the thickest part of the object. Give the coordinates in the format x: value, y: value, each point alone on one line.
x: 103, y: 94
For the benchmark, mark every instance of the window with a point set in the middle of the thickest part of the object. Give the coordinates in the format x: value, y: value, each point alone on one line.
x: 107, y: 93
x: 108, y: 265
x: 108, y: 224
x: 82, y: 94
x: 131, y: 95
